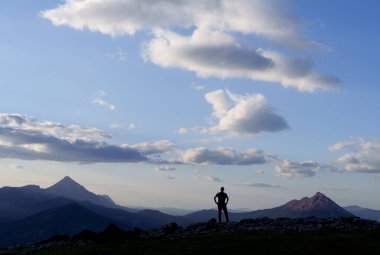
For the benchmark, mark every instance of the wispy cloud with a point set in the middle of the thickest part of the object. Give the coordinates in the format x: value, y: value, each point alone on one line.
x: 259, y: 185
x: 16, y: 167
x: 213, y: 179
x: 165, y: 168
x: 119, y: 54
x: 98, y: 99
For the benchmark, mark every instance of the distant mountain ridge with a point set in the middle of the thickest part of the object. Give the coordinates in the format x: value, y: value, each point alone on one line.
x: 29, y: 213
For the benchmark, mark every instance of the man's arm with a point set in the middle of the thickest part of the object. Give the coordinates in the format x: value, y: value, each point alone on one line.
x: 227, y: 199
x: 215, y: 199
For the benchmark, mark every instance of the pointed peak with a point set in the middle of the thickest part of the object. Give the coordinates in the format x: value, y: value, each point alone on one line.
x: 319, y: 194
x: 66, y: 183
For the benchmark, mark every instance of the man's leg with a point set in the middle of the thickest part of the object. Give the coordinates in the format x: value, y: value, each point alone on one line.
x: 220, y: 213
x: 226, y: 213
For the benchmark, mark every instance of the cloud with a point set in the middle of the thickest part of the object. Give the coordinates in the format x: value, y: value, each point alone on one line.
x: 224, y: 156
x: 216, y: 54
x: 149, y: 148
x: 24, y: 123
x: 24, y: 137
x: 119, y: 55
x: 259, y: 171
x: 213, y: 179
x: 197, y: 86
x: 131, y: 126
x: 213, y: 48
x: 165, y: 168
x: 169, y: 177
x: 15, y: 167
x: 115, y: 126
x: 100, y: 101
x: 363, y: 156
x: 240, y: 115
x: 259, y: 185
x: 265, y: 18
x: 288, y: 169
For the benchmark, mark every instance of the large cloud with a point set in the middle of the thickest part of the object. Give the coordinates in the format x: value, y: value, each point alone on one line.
x: 212, y: 49
x: 267, y: 18
x: 24, y: 137
x: 363, y: 156
x: 216, y: 54
x: 225, y: 156
x: 241, y: 115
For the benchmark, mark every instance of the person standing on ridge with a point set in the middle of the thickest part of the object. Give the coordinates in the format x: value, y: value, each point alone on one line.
x: 222, y: 204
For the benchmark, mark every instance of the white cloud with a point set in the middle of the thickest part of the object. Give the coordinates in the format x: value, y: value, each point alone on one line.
x: 266, y: 18
x: 224, y: 156
x: 212, y: 50
x: 213, y: 179
x: 258, y: 185
x: 288, y: 169
x: 165, y: 168
x: 98, y: 99
x: 169, y: 177
x: 363, y: 156
x: 15, y: 167
x: 240, y: 115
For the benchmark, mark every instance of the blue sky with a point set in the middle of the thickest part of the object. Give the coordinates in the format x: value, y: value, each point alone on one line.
x: 161, y: 103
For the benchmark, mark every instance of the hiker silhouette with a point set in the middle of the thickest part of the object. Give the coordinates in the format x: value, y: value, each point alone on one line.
x: 222, y: 204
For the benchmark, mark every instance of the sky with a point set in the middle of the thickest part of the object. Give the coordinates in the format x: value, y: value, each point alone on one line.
x: 160, y: 103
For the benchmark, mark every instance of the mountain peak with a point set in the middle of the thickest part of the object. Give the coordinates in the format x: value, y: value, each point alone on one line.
x: 69, y: 188
x: 67, y: 179
x: 317, y: 203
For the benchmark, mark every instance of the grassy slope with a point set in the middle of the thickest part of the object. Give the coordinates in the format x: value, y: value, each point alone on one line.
x: 241, y: 243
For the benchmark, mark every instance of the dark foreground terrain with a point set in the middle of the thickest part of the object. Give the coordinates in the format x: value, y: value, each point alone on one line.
x: 259, y: 236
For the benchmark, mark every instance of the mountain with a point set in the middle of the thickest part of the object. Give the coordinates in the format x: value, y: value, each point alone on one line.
x: 364, y: 213
x: 19, y: 202
x: 318, y: 205
x: 69, y: 188
x: 68, y: 219
x: 144, y: 219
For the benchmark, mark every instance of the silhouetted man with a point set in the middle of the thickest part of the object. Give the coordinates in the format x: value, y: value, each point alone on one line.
x: 222, y: 204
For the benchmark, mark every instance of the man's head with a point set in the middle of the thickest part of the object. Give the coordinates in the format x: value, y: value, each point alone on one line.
x: 222, y: 189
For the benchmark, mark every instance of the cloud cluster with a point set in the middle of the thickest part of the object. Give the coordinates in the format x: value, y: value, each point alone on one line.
x: 24, y: 137
x: 363, y: 156
x: 288, y: 169
x: 224, y: 156
x: 212, y: 48
x: 240, y: 115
